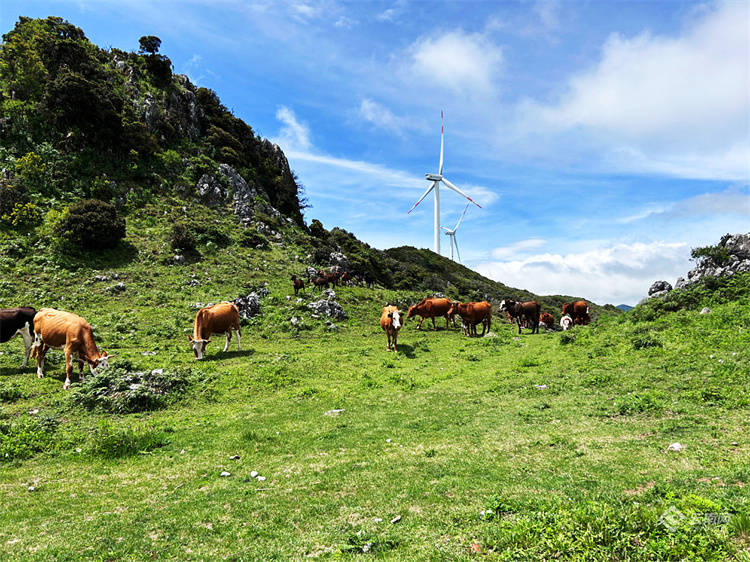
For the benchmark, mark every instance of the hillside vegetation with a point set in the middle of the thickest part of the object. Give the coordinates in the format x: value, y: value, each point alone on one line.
x: 313, y: 441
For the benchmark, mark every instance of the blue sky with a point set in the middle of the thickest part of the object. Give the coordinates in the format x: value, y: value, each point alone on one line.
x: 602, y: 139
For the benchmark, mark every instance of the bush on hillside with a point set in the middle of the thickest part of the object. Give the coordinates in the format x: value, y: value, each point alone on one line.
x: 11, y: 194
x: 91, y: 224
x: 717, y: 255
x: 181, y: 238
x: 252, y: 239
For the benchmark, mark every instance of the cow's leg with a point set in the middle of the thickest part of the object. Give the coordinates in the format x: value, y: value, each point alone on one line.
x: 519, y: 322
x: 41, y: 352
x: 68, y: 366
x: 238, y: 334
x: 421, y: 319
x: 395, y: 337
x: 434, y: 325
x: 28, y: 340
x: 388, y: 337
x: 229, y: 338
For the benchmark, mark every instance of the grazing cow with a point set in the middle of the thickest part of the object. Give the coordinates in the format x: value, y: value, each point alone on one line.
x: 347, y: 278
x: 452, y: 311
x: 523, y: 312
x: 332, y: 278
x: 566, y: 322
x: 547, y: 320
x: 390, y: 321
x: 58, y: 329
x: 369, y: 281
x: 578, y: 311
x: 430, y: 308
x: 15, y: 322
x: 472, y: 313
x: 319, y: 282
x: 299, y: 284
x: 220, y: 318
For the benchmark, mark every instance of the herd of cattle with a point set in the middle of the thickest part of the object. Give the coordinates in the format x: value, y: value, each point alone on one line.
x: 57, y: 329
x: 525, y: 314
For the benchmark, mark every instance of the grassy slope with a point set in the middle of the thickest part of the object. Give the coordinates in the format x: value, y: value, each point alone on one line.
x: 577, y: 470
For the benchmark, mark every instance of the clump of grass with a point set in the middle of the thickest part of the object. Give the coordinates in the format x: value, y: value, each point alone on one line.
x: 567, y: 338
x: 11, y: 393
x: 110, y: 441
x: 642, y: 341
x: 20, y: 438
x: 638, y: 403
x: 740, y: 527
x: 121, y: 391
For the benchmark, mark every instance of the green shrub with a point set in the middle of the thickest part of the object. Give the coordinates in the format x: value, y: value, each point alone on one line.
x: 716, y: 255
x: 23, y: 215
x: 91, y: 224
x: 11, y: 195
x: 567, y: 338
x: 642, y: 341
x: 639, y: 403
x: 121, y: 391
x: 252, y: 239
x: 181, y: 238
x: 109, y: 441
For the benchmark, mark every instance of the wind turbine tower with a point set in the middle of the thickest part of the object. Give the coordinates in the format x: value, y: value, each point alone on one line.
x: 436, y: 180
x: 452, y: 234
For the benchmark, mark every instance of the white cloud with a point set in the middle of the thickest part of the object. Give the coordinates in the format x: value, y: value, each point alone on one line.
x: 381, y: 116
x: 522, y: 246
x: 393, y: 12
x: 618, y: 273
x: 733, y: 201
x: 676, y: 105
x: 345, y: 22
x: 293, y: 134
x: 457, y: 61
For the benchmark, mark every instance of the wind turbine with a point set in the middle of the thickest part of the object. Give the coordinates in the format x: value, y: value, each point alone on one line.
x: 436, y: 179
x: 452, y: 234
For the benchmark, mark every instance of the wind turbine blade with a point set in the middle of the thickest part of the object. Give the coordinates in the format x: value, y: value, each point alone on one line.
x: 457, y: 252
x: 447, y: 230
x: 449, y: 185
x: 462, y: 218
x: 442, y: 142
x: 423, y: 196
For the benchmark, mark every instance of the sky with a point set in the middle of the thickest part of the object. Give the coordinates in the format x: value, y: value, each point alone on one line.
x: 602, y: 139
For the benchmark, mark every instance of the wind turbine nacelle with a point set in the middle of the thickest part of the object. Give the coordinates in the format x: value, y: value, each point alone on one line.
x: 433, y: 177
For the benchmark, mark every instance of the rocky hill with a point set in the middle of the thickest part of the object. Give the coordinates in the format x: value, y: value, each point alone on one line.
x: 78, y: 122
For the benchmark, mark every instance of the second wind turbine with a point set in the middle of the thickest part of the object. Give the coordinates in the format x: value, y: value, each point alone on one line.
x: 436, y: 179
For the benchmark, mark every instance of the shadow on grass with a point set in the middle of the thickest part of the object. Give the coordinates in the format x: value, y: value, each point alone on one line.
x: 219, y: 355
x: 73, y: 258
x: 11, y: 371
x: 406, y: 350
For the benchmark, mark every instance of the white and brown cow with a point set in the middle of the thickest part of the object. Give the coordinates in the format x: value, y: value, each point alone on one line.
x: 18, y: 322
x: 220, y: 318
x: 390, y: 321
x: 58, y: 329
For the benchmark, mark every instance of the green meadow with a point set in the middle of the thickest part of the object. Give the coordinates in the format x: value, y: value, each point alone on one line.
x: 549, y: 446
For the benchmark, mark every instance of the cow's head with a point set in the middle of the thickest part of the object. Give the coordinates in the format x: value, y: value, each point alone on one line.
x: 99, y: 362
x: 454, y: 308
x: 567, y: 308
x: 199, y: 347
x: 395, y: 317
x: 566, y: 322
x: 507, y: 305
x: 411, y: 312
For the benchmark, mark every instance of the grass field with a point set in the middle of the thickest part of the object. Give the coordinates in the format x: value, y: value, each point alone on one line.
x: 520, y: 448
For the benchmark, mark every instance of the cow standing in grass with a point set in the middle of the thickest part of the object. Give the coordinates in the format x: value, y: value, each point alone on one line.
x: 58, y: 329
x: 547, y: 320
x: 472, y: 313
x: 299, y: 284
x: 430, y: 308
x: 578, y: 311
x: 18, y: 322
x: 523, y: 312
x: 390, y: 321
x: 220, y: 318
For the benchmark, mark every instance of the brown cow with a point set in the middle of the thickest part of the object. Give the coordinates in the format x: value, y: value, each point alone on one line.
x: 578, y: 311
x: 67, y: 331
x: 430, y: 308
x: 523, y: 312
x: 472, y: 313
x: 390, y: 321
x: 299, y: 284
x: 332, y: 278
x: 347, y: 278
x: 319, y: 282
x: 220, y: 318
x: 548, y: 320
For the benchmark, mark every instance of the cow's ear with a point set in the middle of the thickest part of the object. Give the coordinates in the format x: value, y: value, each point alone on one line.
x: 190, y: 339
x: 206, y: 341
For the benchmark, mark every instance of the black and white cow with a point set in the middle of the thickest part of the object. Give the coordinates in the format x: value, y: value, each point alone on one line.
x: 18, y: 321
